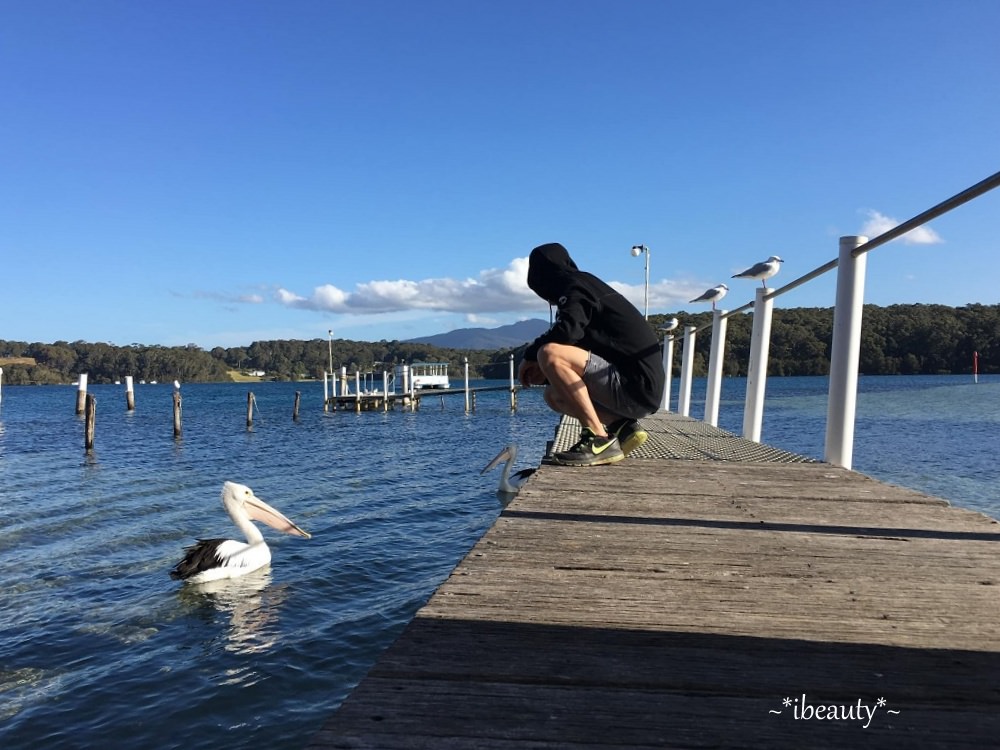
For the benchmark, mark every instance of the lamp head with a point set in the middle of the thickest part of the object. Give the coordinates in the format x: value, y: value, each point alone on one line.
x: 637, y: 250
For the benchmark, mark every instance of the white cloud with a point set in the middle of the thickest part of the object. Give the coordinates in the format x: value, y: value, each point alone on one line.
x: 663, y: 295
x: 879, y: 223
x: 480, y: 300
x: 496, y: 290
x: 481, y: 320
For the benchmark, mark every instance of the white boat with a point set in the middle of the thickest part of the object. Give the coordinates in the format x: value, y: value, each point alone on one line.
x: 426, y: 375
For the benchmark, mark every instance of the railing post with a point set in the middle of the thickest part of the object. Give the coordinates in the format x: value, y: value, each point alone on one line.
x: 687, y: 367
x: 718, y: 351
x: 668, y: 369
x: 468, y: 405
x: 845, y: 353
x: 513, y: 390
x: 760, y: 347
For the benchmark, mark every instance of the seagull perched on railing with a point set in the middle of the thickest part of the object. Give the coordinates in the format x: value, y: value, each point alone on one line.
x: 713, y: 295
x: 763, y: 270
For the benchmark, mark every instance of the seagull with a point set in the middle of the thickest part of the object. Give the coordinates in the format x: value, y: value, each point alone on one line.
x: 763, y: 270
x: 214, y: 559
x: 509, y: 484
x: 670, y: 325
x: 713, y: 295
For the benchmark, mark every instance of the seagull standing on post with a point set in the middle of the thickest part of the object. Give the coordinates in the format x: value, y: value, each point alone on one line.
x: 763, y: 270
x: 713, y: 295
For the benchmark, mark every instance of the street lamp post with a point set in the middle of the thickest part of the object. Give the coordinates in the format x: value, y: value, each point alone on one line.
x: 330, y: 348
x: 638, y: 250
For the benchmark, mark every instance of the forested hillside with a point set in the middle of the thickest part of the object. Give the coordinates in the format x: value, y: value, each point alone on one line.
x: 899, y: 339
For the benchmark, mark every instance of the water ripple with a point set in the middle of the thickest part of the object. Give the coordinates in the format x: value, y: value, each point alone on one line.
x: 98, y: 647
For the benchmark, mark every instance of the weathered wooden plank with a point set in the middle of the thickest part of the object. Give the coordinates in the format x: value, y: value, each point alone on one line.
x: 678, y: 603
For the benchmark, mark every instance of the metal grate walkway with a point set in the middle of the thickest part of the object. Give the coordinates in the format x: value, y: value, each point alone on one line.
x: 674, y: 436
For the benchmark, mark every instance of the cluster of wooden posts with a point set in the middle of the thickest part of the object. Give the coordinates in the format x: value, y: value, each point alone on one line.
x: 410, y: 401
x: 86, y: 405
x: 384, y: 399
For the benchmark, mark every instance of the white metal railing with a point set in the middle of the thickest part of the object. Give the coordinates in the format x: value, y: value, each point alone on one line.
x: 844, y: 353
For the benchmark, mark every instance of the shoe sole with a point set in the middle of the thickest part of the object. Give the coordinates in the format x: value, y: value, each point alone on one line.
x: 599, y: 461
x: 634, y: 440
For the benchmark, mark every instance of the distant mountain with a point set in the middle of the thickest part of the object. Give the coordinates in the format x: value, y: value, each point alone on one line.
x: 504, y: 337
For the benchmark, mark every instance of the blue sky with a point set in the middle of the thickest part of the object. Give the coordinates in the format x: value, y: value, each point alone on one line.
x: 223, y: 172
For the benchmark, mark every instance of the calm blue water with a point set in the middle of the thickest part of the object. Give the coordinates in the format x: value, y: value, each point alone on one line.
x: 98, y: 647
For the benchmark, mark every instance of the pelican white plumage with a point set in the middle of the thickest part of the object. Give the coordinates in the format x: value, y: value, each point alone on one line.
x: 763, y: 270
x: 214, y: 559
x: 510, y: 484
x: 713, y: 295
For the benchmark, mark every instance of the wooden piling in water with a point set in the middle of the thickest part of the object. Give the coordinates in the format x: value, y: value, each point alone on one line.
x: 90, y: 419
x: 249, y: 409
x: 177, y: 414
x: 298, y: 399
x: 81, y: 394
x: 129, y: 394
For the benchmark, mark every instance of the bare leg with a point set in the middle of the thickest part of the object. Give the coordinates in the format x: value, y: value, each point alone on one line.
x: 563, y: 366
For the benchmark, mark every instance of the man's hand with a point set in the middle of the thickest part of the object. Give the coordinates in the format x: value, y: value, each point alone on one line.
x: 529, y: 373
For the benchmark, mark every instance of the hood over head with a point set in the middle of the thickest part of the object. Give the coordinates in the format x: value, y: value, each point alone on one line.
x: 549, y: 269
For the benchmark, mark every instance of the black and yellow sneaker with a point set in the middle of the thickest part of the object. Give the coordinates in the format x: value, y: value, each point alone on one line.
x: 591, y: 450
x: 629, y: 433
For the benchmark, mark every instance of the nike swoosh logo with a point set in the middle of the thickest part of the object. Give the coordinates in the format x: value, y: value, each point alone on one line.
x: 598, y: 450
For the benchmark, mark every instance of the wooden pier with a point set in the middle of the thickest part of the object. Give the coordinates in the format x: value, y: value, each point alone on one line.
x: 707, y: 592
x: 381, y: 401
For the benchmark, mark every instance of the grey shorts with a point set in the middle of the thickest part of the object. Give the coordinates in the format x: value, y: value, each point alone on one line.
x: 605, y: 387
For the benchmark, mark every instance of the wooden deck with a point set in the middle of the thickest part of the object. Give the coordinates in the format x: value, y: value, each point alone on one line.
x: 707, y: 592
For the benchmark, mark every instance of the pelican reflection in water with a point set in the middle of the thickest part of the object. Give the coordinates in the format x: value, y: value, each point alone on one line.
x: 510, y: 484
x: 215, y: 559
x: 250, y: 604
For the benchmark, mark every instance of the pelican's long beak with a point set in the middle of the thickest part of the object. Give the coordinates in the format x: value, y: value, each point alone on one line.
x: 501, y: 456
x: 258, y: 510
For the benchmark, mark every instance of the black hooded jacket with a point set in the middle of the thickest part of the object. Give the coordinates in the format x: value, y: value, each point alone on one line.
x: 593, y: 316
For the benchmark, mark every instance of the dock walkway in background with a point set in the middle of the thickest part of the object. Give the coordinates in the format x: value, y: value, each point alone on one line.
x: 706, y: 592
x: 382, y: 401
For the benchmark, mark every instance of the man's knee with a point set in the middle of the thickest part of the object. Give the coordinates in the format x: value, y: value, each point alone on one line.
x: 552, y: 355
x: 548, y: 354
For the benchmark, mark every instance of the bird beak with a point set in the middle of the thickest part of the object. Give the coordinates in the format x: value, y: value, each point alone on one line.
x: 505, y: 453
x: 258, y: 510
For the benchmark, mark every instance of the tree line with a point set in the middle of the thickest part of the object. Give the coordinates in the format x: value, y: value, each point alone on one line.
x: 895, y: 340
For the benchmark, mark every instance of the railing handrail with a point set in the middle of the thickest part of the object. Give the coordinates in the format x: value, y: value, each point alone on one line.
x: 984, y: 186
x: 943, y: 207
x: 846, y: 333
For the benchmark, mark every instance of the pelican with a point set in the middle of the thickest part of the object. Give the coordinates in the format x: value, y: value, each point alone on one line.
x: 763, y: 270
x: 509, y: 484
x: 713, y: 295
x: 214, y: 559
